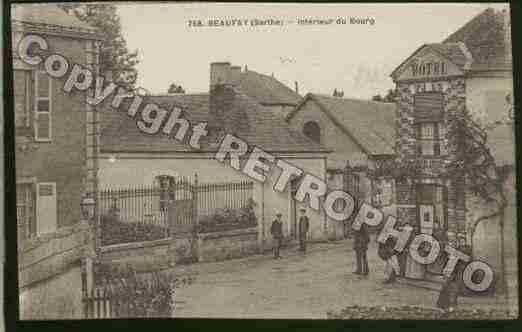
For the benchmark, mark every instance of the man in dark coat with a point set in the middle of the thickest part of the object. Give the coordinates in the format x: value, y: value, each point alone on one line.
x: 277, y: 233
x: 385, y: 252
x: 304, y: 225
x: 360, y: 245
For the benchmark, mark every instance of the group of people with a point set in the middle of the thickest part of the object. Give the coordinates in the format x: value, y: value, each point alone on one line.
x: 277, y: 232
x: 452, y: 287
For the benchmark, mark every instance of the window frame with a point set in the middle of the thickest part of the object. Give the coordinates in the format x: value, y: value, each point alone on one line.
x: 436, y: 139
x: 37, y: 98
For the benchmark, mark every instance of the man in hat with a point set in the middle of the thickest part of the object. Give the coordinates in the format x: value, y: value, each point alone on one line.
x: 304, y: 225
x: 277, y: 233
x: 360, y: 246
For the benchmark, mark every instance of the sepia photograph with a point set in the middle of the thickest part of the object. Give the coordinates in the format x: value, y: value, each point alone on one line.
x: 327, y: 161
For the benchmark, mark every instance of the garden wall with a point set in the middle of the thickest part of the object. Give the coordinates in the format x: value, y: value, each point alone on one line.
x: 222, y: 245
x: 49, y: 263
x: 182, y: 249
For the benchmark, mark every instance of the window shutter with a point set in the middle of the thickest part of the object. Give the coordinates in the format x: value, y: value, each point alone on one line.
x: 20, y: 97
x: 42, y: 107
x: 46, y: 209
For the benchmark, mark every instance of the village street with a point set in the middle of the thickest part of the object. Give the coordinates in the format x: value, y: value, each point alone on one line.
x: 297, y: 286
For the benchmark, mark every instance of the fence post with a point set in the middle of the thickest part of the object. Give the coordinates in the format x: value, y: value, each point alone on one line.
x: 195, y: 201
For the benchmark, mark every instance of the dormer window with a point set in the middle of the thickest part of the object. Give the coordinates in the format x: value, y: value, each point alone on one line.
x: 312, y: 130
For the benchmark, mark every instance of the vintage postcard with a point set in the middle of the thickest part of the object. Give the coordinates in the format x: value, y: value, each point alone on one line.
x: 301, y: 161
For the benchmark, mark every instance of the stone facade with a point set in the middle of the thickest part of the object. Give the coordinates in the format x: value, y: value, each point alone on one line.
x: 430, y: 171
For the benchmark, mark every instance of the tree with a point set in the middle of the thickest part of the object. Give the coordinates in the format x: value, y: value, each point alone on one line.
x: 173, y: 88
x: 472, y: 161
x: 377, y: 98
x: 390, y: 97
x: 114, y: 54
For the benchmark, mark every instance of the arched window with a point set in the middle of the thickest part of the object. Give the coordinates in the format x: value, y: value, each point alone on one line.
x: 312, y: 130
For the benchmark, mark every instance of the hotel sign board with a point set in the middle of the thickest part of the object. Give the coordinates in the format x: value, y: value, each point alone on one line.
x: 427, y: 65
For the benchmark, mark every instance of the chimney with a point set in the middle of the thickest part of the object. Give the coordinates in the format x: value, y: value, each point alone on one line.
x: 235, y: 75
x: 224, y: 115
x: 219, y: 74
x: 296, y: 87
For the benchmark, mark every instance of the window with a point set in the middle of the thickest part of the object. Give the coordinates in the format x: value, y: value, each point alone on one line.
x: 429, y: 114
x: 25, y: 209
x: 22, y: 98
x: 42, y: 107
x: 430, y: 139
x: 313, y: 131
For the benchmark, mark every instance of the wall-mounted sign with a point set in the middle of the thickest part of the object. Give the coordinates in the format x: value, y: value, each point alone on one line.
x: 428, y: 68
x: 426, y: 65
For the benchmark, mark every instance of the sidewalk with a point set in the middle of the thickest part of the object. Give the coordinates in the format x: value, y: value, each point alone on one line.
x: 297, y: 286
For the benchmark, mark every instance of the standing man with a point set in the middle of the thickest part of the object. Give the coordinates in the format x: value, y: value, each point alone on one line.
x: 304, y: 224
x: 360, y: 245
x: 277, y: 233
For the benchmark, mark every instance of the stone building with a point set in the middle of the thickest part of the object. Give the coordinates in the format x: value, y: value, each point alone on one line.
x: 55, y: 131
x: 360, y: 134
x: 132, y: 158
x: 56, y: 144
x: 471, y: 68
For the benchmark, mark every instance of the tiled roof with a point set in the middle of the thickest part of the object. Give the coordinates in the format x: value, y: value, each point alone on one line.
x: 501, y: 141
x: 263, y: 128
x: 266, y: 89
x: 484, y: 36
x: 371, y: 124
x: 46, y: 14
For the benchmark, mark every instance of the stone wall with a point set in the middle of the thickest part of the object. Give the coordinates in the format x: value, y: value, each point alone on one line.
x: 142, y: 256
x: 217, y: 246
x: 59, y: 297
x: 183, y: 249
x: 50, y: 273
x: 54, y: 253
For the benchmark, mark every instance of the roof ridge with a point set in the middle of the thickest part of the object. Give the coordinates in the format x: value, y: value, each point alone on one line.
x: 369, y: 101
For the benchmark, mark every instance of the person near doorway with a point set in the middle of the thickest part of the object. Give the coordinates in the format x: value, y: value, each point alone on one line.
x: 304, y: 225
x: 360, y: 245
x: 277, y: 233
x: 385, y: 252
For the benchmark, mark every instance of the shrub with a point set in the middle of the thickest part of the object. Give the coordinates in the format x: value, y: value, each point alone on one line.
x: 114, y: 231
x: 227, y: 219
x: 140, y: 295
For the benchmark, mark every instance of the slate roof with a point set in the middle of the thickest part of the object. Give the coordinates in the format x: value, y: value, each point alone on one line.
x: 452, y: 51
x: 371, y: 124
x: 267, y: 90
x: 484, y: 36
x: 46, y: 14
x: 263, y: 128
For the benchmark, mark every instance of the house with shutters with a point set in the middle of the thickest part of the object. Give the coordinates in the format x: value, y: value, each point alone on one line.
x: 56, y: 150
x: 471, y: 68
x: 55, y: 141
x: 360, y: 134
x: 131, y: 158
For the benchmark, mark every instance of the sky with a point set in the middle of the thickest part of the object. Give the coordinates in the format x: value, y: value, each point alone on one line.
x: 355, y: 58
